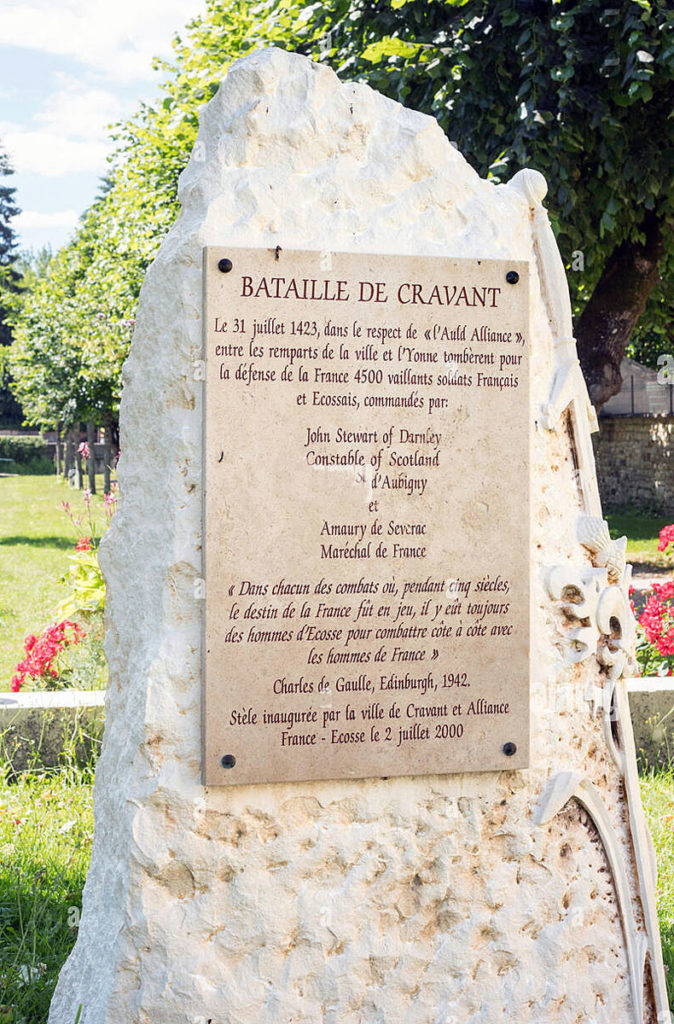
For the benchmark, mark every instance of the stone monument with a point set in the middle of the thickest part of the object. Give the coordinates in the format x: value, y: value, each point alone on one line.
x: 353, y: 415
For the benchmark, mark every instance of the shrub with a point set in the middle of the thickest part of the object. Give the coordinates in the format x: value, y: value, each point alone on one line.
x: 28, y: 455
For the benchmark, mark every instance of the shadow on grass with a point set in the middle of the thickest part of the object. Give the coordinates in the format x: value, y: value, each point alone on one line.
x: 62, y: 543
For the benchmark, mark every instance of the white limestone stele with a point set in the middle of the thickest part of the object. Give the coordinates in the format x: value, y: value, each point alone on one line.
x: 516, y: 896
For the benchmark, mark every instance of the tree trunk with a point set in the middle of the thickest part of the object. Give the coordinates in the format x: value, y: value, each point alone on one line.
x: 79, y: 483
x: 611, y: 314
x: 57, y: 450
x: 91, y: 461
x: 69, y: 458
x: 107, y: 452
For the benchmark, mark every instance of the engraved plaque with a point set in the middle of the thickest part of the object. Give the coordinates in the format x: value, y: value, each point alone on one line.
x: 366, y: 451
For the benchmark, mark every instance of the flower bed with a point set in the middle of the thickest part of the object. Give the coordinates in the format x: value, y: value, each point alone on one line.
x: 655, y: 643
x: 69, y: 651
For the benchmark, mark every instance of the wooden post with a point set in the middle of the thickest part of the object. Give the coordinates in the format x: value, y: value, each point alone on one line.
x: 70, y: 457
x: 78, y: 458
x: 91, y: 461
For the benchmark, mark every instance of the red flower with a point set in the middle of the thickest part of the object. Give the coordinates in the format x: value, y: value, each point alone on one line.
x: 665, y: 644
x: 666, y: 536
x: 665, y: 591
x: 41, y: 651
x: 651, y: 618
x: 83, y: 544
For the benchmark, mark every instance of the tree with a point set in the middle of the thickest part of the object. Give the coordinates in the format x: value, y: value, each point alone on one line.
x: 579, y: 89
x: 71, y: 334
x: 73, y: 326
x: 10, y: 411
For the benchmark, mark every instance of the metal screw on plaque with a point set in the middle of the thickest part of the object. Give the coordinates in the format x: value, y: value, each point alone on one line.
x: 512, y: 277
x: 225, y: 265
x: 228, y: 761
x: 509, y: 749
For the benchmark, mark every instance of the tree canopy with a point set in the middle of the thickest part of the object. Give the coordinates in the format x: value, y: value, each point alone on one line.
x: 10, y: 411
x: 74, y: 325
x: 581, y: 91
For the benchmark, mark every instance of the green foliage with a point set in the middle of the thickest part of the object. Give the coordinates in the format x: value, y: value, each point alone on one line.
x: 579, y: 89
x: 10, y: 410
x: 648, y: 345
x: 8, y: 210
x: 70, y: 337
x: 28, y: 455
x: 85, y: 584
x: 22, y: 450
x: 73, y: 324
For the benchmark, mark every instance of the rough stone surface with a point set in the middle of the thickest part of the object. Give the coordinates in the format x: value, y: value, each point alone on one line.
x: 424, y: 900
x: 635, y: 462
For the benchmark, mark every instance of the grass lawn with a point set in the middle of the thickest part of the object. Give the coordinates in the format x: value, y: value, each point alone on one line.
x: 657, y: 793
x: 46, y: 826
x: 36, y: 539
x: 642, y: 535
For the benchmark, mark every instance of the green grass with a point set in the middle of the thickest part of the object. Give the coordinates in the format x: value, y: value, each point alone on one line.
x: 657, y: 794
x: 642, y: 535
x: 46, y: 826
x: 36, y: 539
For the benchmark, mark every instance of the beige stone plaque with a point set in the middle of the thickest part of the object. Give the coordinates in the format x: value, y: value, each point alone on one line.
x: 366, y: 515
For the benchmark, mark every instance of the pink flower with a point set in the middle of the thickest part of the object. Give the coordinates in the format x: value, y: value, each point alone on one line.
x: 83, y: 544
x: 666, y: 536
x: 84, y: 450
x: 652, y: 619
x: 41, y: 651
x: 664, y: 590
x: 665, y: 644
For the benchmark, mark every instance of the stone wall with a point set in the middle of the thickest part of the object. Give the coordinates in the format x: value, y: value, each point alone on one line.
x: 635, y: 462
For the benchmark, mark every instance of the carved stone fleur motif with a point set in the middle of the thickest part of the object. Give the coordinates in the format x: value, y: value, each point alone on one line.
x: 596, y: 600
x: 600, y: 617
x: 593, y: 534
x: 598, y: 622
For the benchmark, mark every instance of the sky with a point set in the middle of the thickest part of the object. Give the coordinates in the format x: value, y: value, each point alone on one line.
x: 68, y: 70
